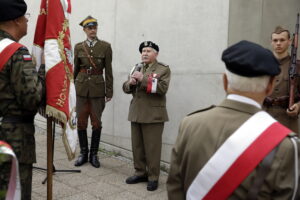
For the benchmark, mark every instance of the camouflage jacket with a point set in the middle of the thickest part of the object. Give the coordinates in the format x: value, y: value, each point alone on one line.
x: 21, y: 89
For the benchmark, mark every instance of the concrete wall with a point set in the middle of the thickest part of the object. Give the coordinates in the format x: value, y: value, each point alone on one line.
x: 255, y: 20
x: 191, y: 36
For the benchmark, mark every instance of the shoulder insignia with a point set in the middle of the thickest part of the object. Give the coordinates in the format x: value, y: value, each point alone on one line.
x: 163, y: 64
x: 205, y: 109
x: 27, y: 57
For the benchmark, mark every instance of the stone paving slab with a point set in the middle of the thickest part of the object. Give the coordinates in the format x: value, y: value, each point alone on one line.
x: 104, y: 183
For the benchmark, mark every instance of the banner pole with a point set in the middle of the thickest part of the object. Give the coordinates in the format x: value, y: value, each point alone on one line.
x: 49, y: 157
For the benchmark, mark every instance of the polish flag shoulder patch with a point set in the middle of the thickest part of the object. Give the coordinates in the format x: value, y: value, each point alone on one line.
x: 27, y: 58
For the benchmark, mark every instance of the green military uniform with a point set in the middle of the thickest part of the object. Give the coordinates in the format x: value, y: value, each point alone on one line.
x: 202, y: 133
x: 147, y: 113
x: 277, y: 108
x: 91, y: 60
x: 20, y: 96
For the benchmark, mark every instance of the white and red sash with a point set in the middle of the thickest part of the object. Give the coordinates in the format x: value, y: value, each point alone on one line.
x: 7, y: 48
x: 14, y: 188
x: 237, y: 158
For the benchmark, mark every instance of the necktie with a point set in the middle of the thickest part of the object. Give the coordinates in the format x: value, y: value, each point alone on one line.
x: 91, y: 43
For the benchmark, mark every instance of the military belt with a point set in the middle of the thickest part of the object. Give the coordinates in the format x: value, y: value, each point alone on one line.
x: 282, y: 102
x: 91, y: 71
x: 25, y: 119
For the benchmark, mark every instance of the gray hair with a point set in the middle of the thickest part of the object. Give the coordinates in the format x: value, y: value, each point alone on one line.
x: 247, y: 84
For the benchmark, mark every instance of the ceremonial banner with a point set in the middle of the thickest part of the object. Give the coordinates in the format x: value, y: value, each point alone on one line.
x: 52, y: 38
x: 14, y: 188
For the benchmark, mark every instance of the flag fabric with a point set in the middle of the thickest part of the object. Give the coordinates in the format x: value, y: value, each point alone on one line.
x: 14, y: 187
x: 52, y: 38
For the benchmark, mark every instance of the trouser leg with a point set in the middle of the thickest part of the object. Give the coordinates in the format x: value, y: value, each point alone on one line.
x: 152, y: 135
x: 26, y: 180
x: 139, y: 160
x: 97, y: 107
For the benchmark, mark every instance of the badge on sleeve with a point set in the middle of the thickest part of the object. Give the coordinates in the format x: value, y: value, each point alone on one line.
x: 27, y: 58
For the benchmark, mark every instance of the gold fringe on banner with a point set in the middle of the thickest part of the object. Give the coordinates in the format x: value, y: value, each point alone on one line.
x: 61, y: 117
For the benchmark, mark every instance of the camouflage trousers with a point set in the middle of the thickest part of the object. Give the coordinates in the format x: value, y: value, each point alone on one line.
x: 25, y: 171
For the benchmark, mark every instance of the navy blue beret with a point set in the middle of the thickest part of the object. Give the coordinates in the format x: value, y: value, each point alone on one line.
x: 148, y: 44
x: 12, y: 9
x: 249, y: 59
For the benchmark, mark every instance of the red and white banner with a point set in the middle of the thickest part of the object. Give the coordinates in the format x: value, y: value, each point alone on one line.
x: 237, y: 158
x: 52, y: 38
x: 14, y: 188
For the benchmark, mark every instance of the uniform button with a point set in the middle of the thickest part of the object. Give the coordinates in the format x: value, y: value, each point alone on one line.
x: 91, y: 56
x: 89, y: 78
x: 91, y: 50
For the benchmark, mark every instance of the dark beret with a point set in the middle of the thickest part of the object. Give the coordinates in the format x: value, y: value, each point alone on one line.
x: 249, y: 59
x: 12, y: 9
x: 88, y: 21
x: 148, y: 44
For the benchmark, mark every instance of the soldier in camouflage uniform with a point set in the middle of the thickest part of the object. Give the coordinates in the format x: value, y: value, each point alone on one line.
x: 21, y: 92
x: 92, y: 58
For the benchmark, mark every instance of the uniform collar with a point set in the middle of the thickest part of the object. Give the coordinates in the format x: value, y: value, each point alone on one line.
x: 243, y: 99
x: 4, y: 34
x: 93, y: 42
x: 285, y: 59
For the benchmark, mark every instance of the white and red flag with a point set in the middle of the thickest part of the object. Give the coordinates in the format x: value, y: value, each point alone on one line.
x: 52, y: 38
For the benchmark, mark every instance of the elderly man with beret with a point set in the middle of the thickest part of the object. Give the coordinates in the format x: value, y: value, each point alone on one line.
x: 92, y: 59
x: 235, y: 150
x: 21, y: 92
x: 148, y: 83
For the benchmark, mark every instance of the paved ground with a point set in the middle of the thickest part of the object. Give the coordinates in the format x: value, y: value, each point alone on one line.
x: 104, y: 183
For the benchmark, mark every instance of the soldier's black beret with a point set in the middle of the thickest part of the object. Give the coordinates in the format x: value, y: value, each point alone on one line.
x: 88, y: 21
x: 148, y: 44
x: 12, y: 9
x: 249, y: 59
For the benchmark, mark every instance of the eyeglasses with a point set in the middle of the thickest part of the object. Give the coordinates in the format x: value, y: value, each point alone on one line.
x: 27, y: 16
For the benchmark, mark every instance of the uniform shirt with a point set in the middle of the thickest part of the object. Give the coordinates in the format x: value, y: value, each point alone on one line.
x: 282, y: 89
x: 201, y: 134
x: 89, y: 85
x: 20, y: 88
x: 149, y: 107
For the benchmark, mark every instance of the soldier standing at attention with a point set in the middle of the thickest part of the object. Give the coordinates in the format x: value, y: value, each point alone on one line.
x: 236, y: 150
x: 277, y: 103
x: 92, y: 58
x: 148, y: 83
x: 21, y: 92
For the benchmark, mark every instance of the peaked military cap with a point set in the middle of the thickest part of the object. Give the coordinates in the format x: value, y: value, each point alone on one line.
x: 148, y: 44
x: 89, y: 21
x: 249, y: 59
x: 12, y: 9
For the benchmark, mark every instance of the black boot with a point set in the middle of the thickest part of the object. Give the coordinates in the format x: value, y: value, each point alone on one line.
x: 95, y: 147
x: 84, y: 149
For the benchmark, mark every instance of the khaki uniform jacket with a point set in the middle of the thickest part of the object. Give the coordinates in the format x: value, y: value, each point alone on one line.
x: 282, y: 89
x: 149, y: 107
x: 93, y: 85
x: 202, y: 133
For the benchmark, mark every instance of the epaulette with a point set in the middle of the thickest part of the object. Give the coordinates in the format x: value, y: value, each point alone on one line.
x: 208, y: 108
x: 163, y: 64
